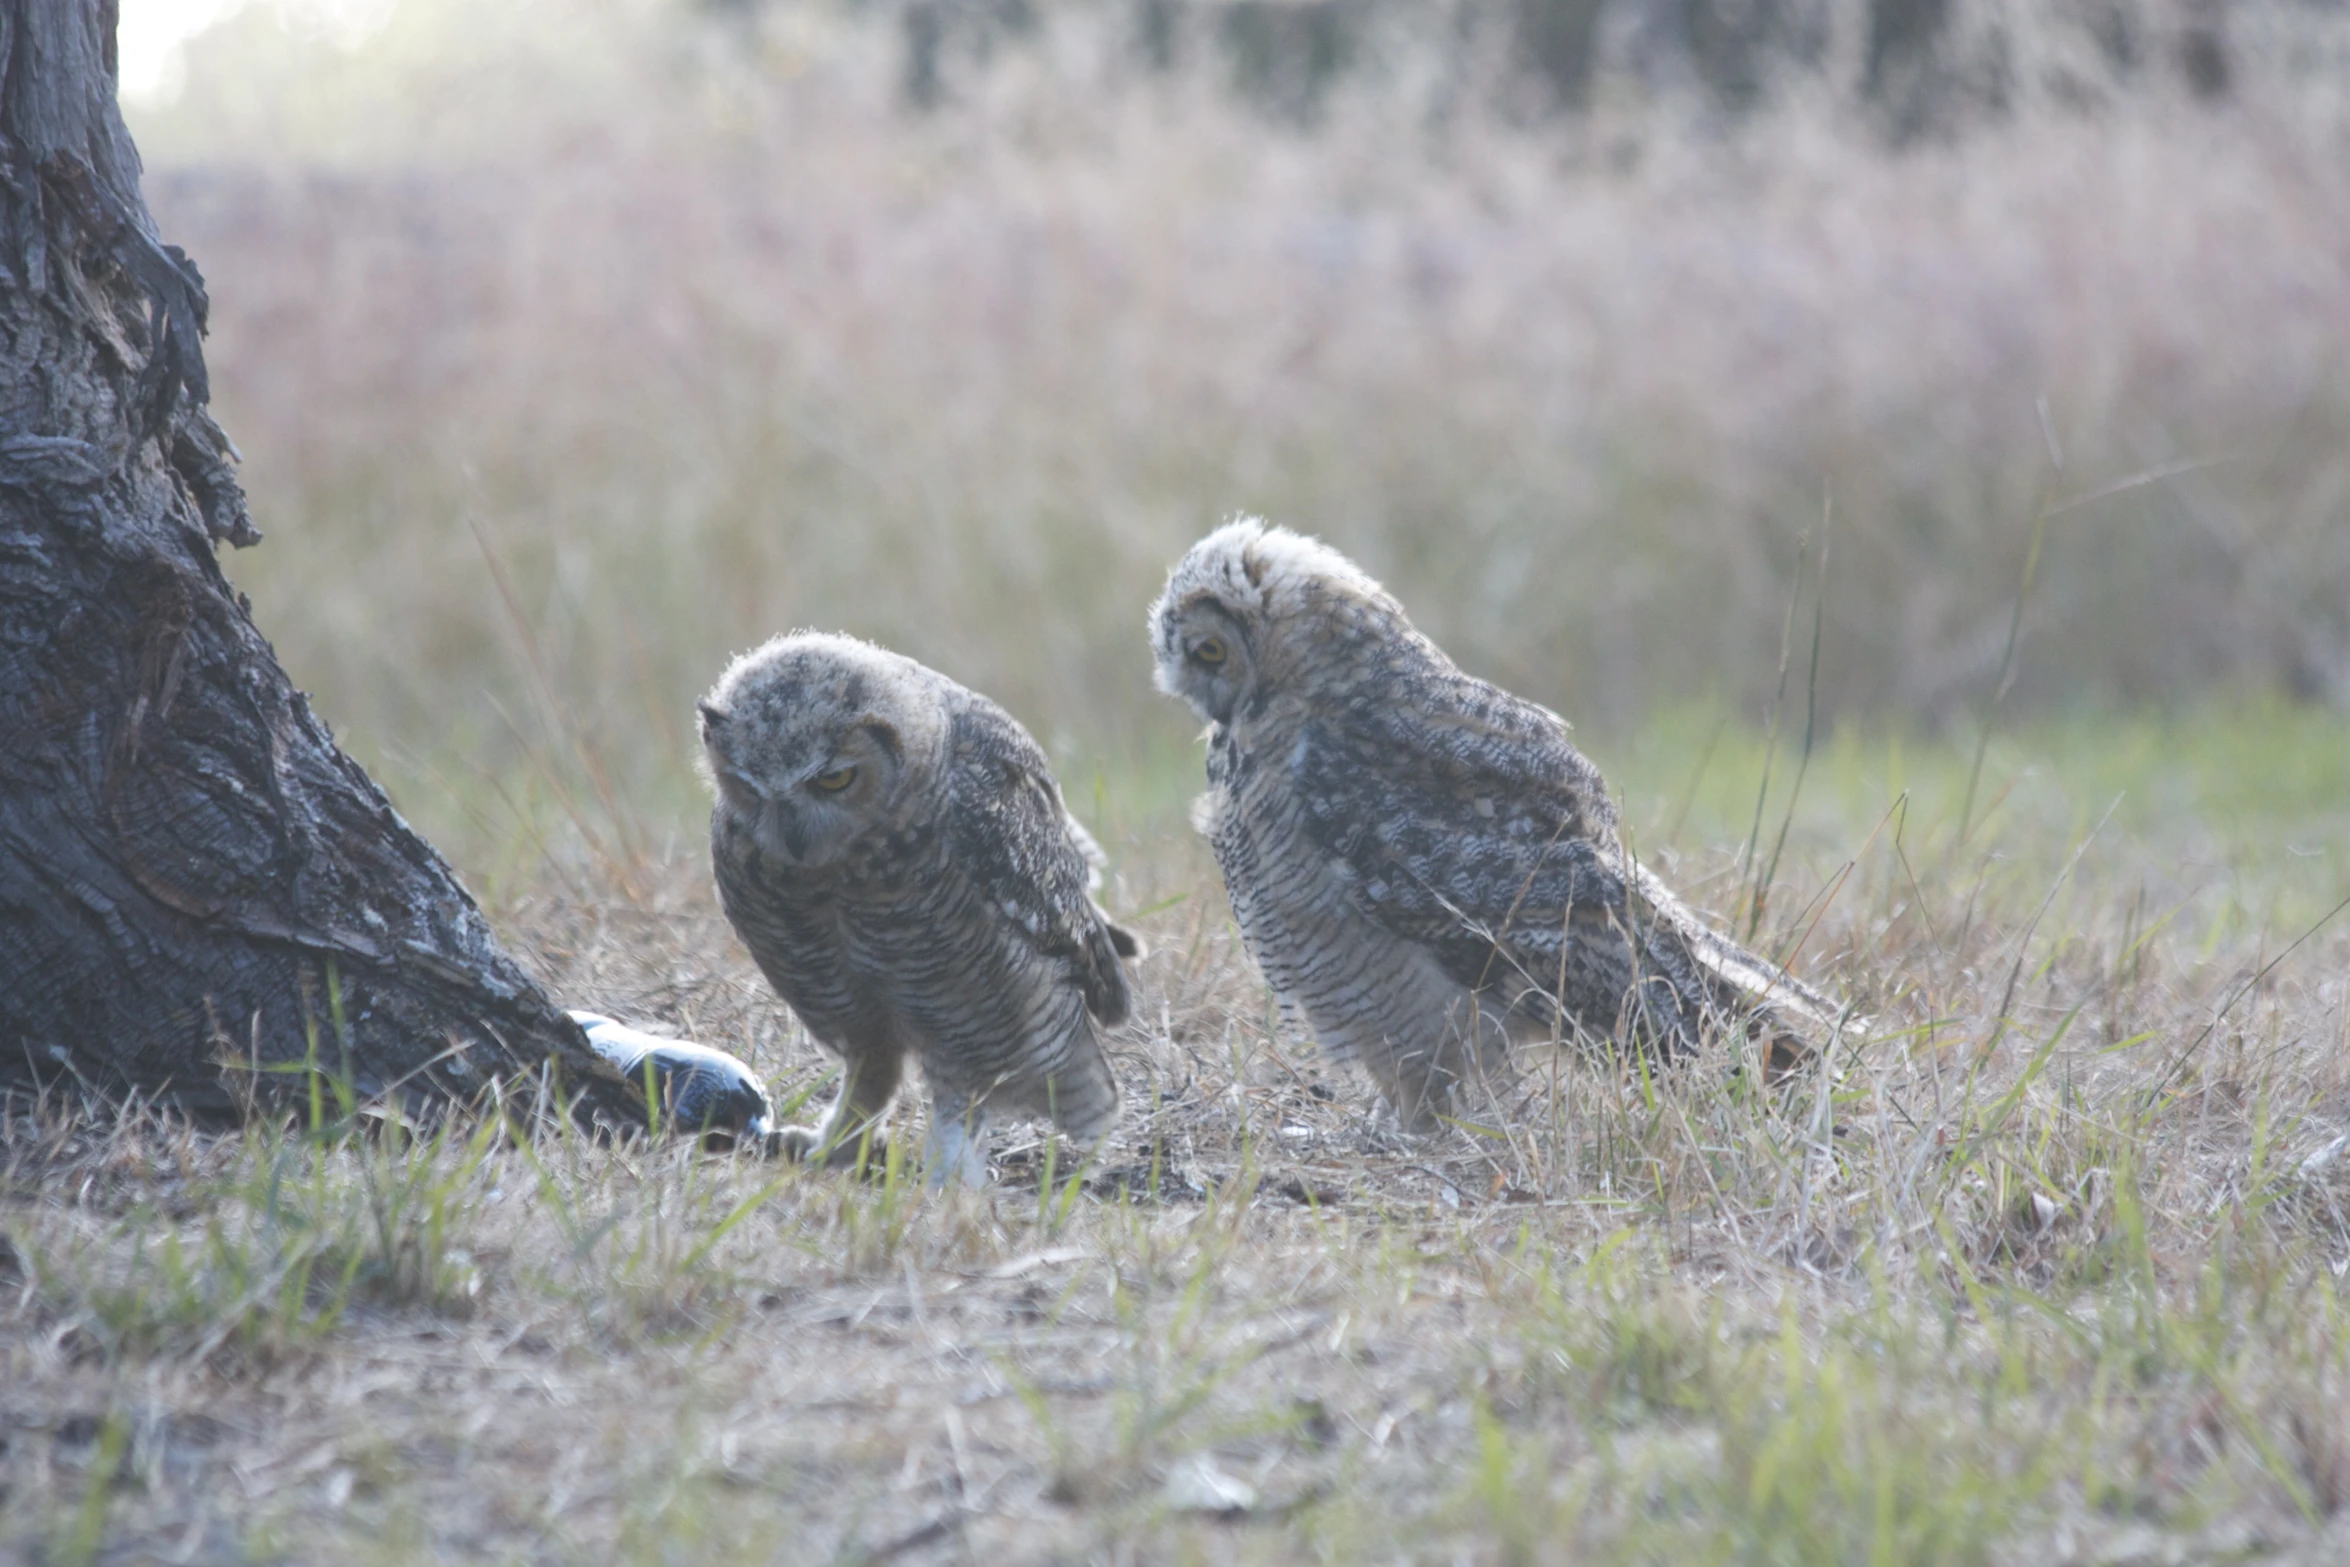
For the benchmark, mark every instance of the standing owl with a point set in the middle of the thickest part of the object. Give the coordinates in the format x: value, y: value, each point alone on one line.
x: 894, y: 851
x: 1422, y: 865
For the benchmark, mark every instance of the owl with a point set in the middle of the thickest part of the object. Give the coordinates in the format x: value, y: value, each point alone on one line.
x: 895, y: 853
x: 1424, y: 868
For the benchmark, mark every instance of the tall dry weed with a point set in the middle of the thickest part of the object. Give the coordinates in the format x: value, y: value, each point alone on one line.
x: 706, y: 345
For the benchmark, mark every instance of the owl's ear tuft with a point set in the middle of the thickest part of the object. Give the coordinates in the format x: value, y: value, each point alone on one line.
x: 713, y: 718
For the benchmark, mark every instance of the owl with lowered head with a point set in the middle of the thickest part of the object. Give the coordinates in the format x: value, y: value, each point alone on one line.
x: 894, y: 851
x: 1424, y: 868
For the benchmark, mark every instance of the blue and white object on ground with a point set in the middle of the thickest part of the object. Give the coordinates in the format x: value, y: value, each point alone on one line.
x: 700, y: 1089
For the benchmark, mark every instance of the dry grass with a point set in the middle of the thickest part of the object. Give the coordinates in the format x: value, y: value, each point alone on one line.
x: 703, y: 345
x: 552, y: 398
x: 2046, y: 1270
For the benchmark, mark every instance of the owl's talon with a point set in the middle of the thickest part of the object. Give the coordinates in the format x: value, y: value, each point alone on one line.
x: 801, y: 1144
x: 954, y: 1154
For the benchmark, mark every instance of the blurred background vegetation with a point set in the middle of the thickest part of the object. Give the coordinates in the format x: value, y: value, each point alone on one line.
x: 574, y: 345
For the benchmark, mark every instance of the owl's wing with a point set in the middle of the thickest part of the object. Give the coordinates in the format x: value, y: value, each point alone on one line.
x: 1029, y: 855
x: 1467, y: 823
x: 1470, y: 825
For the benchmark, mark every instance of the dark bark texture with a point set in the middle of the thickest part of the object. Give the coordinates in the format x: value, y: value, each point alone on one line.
x: 193, y: 879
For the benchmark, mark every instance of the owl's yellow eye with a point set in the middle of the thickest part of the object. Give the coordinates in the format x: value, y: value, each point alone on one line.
x: 1209, y: 651
x: 835, y: 780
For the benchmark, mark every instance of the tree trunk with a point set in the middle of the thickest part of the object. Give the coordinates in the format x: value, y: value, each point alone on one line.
x: 194, y: 881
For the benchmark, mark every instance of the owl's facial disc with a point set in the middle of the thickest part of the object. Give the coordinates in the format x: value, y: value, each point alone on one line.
x: 831, y: 798
x: 1205, y: 658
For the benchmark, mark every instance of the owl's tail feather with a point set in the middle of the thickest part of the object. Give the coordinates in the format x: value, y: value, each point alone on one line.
x: 1793, y: 1022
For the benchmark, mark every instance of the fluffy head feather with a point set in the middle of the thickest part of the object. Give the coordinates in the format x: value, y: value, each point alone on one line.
x: 1250, y: 604
x: 814, y: 738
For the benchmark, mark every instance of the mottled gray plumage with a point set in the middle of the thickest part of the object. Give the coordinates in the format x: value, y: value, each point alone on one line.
x: 1423, y: 866
x: 895, y: 853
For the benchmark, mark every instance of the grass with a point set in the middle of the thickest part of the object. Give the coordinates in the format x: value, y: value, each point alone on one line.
x: 571, y: 359
x: 564, y: 369
x: 2048, y: 1269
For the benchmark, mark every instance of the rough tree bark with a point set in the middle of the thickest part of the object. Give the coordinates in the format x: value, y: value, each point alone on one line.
x: 185, y: 856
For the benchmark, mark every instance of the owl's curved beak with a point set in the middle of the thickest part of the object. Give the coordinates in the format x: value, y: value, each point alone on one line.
x: 781, y: 829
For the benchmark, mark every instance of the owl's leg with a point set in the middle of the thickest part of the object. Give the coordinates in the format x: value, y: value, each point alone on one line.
x: 1425, y: 1082
x: 954, y: 1150
x: 1082, y: 1097
x: 1417, y: 1085
x: 869, y: 1080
